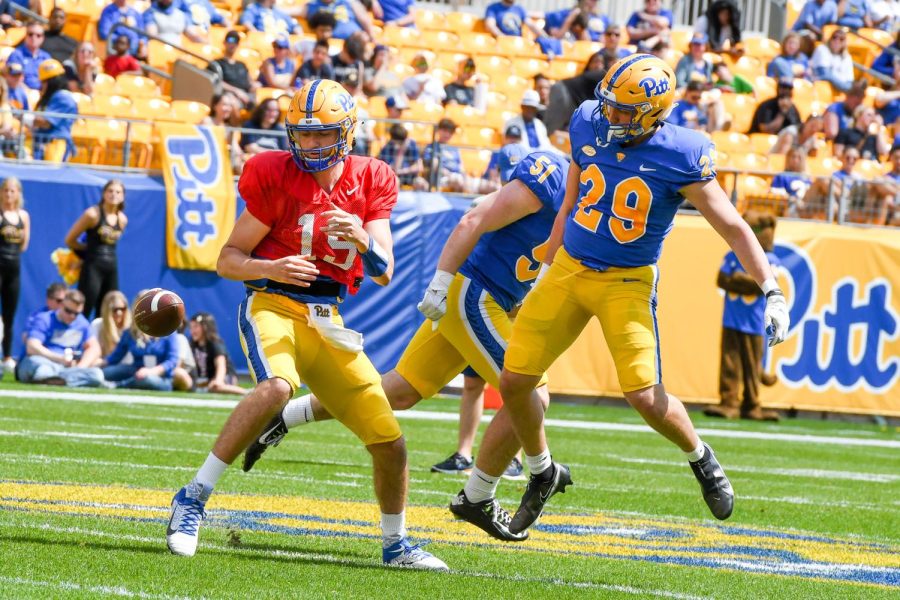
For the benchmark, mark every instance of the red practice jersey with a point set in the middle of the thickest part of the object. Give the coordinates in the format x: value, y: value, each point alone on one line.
x: 291, y: 202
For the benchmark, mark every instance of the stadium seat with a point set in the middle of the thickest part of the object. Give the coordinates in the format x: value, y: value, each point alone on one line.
x: 84, y: 102
x: 762, y: 143
x: 475, y: 162
x: 478, y: 43
x: 564, y: 69
x: 451, y: 60
x: 139, y: 146
x: 741, y: 108
x: 421, y: 133
x: 529, y: 67
x: 250, y: 57
x: 824, y: 91
x: 680, y: 38
x: 582, y: 50
x: 776, y: 162
x: 104, y: 84
x: 376, y: 107
x: 136, y: 86
x: 878, y: 36
x: 822, y: 166
x: 749, y: 67
x: 512, y: 85
x: 162, y: 55
x: 14, y: 36
x: 207, y: 51
x: 431, y: 19
x: 259, y: 41
x: 499, y: 99
x: 871, y: 92
x: 88, y: 145
x: 762, y: 48
x: 748, y: 161
x: 461, y: 22
x: 497, y: 117
x: 868, y: 169
x: 421, y: 111
x: 152, y: 108
x: 511, y: 45
x: 401, y: 37
x: 496, y: 67
x: 5, y: 51
x: 187, y: 111
x: 765, y: 87
x: 672, y: 57
x: 464, y: 115
x: 479, y: 137
x: 439, y: 40
x: 731, y: 141
x: 113, y: 106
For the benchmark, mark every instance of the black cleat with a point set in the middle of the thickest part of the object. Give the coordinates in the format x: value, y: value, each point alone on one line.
x: 454, y: 465
x: 714, y: 483
x: 538, y: 491
x: 487, y: 515
x: 271, y: 436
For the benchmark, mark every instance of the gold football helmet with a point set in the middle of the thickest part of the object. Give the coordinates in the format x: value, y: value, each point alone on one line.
x: 321, y: 105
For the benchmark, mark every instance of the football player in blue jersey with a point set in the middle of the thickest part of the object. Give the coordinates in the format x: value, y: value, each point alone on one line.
x: 487, y: 266
x: 630, y: 172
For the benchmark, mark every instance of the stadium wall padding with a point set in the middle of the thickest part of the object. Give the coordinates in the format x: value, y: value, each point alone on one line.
x: 842, y: 354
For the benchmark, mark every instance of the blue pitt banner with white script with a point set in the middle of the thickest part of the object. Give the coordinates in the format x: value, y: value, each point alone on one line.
x: 200, y: 194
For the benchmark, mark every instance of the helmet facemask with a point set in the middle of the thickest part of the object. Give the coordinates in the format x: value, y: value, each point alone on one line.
x: 620, y: 133
x: 318, y: 159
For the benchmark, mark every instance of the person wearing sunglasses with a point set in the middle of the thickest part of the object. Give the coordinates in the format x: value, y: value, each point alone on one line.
x: 61, y: 347
x: 831, y: 62
x: 30, y: 55
x: 114, y: 320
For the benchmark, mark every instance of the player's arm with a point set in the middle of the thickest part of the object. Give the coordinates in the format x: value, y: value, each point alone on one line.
x: 235, y: 260
x: 373, y: 240
x: 510, y: 203
x: 712, y: 202
x: 559, y: 225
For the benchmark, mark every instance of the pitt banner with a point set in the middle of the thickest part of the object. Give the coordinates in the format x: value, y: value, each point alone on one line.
x: 842, y: 352
x: 200, y: 202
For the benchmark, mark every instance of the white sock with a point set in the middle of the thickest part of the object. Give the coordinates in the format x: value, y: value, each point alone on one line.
x: 298, y: 412
x: 480, y: 486
x: 209, y: 473
x: 697, y: 453
x: 540, y: 463
x: 393, y: 528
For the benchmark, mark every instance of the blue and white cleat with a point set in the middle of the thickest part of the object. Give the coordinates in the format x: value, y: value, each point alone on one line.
x: 404, y: 554
x: 188, y: 511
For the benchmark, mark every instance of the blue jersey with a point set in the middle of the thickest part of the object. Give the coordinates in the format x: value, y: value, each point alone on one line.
x: 56, y: 335
x: 628, y: 196
x: 509, y: 18
x: 346, y: 22
x: 793, y: 185
x: 744, y: 313
x: 148, y: 353
x: 506, y: 262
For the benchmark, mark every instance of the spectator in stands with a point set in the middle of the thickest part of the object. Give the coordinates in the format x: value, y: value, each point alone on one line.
x: 108, y: 27
x: 8, y: 123
x: 567, y: 95
x: 854, y: 14
x: 443, y: 163
x: 511, y: 135
x: 14, y: 74
x: 506, y: 18
x: 813, y: 17
x: 269, y: 134
x: 402, y: 154
x: 722, y: 25
x: 691, y: 112
x: 395, y: 105
x: 842, y: 183
x: 60, y: 347
x: 423, y: 86
x: 888, y: 101
x: 535, y: 133
x: 867, y: 135
x: 235, y: 75
x: 350, y: 59
x: 839, y: 115
x: 365, y: 128
x: 350, y: 17
x: 166, y: 20
x: 215, y: 371
x: 53, y: 134
x: 317, y: 67
x: 832, y: 63
x: 59, y: 45
x: 202, y: 15
x: 322, y: 24
x: 380, y: 78
x: 155, y: 360
x: 459, y: 91
x: 886, y: 15
x: 15, y: 231
x: 401, y: 13
x: 30, y: 55
x: 120, y: 61
x: 779, y: 113
x: 791, y: 62
x: 103, y: 224
x: 613, y: 49
x: 558, y: 23
x: 8, y: 15
x: 652, y: 21
x: 278, y: 71
x: 114, y: 320
x: 225, y: 111
x: 263, y: 15
x: 693, y: 66
x: 542, y: 86
x: 53, y: 299
x: 884, y: 62
x: 81, y: 68
x: 727, y: 81
x: 793, y: 182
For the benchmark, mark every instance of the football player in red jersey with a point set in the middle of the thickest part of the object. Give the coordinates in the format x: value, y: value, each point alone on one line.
x: 317, y: 218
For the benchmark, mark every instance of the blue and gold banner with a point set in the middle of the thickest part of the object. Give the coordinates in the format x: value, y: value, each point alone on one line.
x: 200, y: 196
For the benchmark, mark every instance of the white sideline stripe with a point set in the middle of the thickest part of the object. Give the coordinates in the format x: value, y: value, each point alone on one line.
x: 71, y: 586
x: 88, y: 436
x: 626, y: 589
x: 418, y: 415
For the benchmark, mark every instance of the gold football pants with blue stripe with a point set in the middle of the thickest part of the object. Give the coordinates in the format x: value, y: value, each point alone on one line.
x: 474, y: 332
x: 279, y: 342
x: 558, y: 309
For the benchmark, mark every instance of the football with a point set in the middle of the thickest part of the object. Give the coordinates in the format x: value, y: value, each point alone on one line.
x: 158, y: 312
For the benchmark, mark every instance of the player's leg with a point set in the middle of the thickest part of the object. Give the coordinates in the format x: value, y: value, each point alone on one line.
x: 627, y: 315
x: 267, y: 335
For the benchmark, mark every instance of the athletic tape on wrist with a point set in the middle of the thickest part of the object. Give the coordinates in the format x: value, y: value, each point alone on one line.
x: 375, y: 259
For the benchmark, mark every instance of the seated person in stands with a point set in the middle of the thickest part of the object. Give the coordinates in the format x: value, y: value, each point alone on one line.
x: 400, y: 13
x: 813, y: 17
x: 692, y: 111
x: 317, y: 67
x: 60, y: 347
x: 350, y: 59
x: 506, y: 18
x: 854, y: 14
x: 831, y: 62
x: 867, y: 135
x: 511, y: 135
x: 59, y: 45
x: 613, y: 47
x: 350, y: 17
x: 815, y: 202
x: 114, y: 320
x: 558, y: 23
x: 235, y: 75
x: 885, y: 61
x: 269, y: 134
x: 443, y: 168
x: 839, y: 115
x: 322, y: 24
x: 779, y: 116
x: 888, y: 101
x: 722, y: 25
x: 30, y: 55
x: 459, y: 91
x: 381, y: 80
x: 202, y: 15
x: 82, y: 68
x: 52, y: 131
x: 653, y: 20
x: 791, y: 63
x: 264, y: 16
x: 730, y: 82
x: 108, y: 29
x: 278, y: 70
x: 402, y: 154
x: 215, y: 371
x: 169, y: 22
x: 423, y: 86
x: 793, y: 182
x: 694, y: 66
x: 120, y: 61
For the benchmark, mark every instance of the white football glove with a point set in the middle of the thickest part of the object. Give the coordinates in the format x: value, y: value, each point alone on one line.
x: 777, y: 319
x: 434, y: 303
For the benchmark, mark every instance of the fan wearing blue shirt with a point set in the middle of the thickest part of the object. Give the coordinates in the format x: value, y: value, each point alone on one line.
x: 505, y: 18
x: 793, y: 182
x: 815, y: 15
x: 650, y: 22
x: 155, y: 361
x: 349, y: 16
x: 29, y: 54
x: 53, y: 132
x: 688, y: 112
x: 263, y: 15
x: 443, y: 162
x: 108, y: 27
x: 855, y: 14
x: 398, y: 12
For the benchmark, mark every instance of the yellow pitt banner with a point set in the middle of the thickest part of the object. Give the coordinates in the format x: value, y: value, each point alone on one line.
x: 200, y: 201
x: 842, y: 352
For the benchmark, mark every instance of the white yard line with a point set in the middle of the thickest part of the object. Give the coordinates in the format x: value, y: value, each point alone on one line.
x: 453, y: 417
x: 71, y: 586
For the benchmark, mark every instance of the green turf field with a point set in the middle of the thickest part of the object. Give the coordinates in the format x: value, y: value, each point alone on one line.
x: 85, y: 487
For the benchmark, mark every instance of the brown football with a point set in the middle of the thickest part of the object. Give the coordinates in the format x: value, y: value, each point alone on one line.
x: 158, y: 312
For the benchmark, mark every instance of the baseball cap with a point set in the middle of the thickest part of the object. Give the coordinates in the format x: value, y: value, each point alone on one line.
x: 510, y: 157
x: 533, y: 99
x: 398, y: 102
x: 15, y: 68
x: 50, y: 68
x: 513, y: 131
x: 281, y: 42
x: 699, y: 38
x: 233, y: 37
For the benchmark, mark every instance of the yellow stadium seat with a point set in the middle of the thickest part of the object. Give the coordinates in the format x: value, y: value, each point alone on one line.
x: 564, y: 69
x: 765, y: 87
x: 250, y: 57
x: 776, y: 162
x: 871, y: 92
x: 186, y: 111
x: 88, y: 144
x: 511, y: 45
x: 5, y: 51
x: 400, y: 37
x: 464, y: 115
x: 498, y: 99
x: 680, y: 38
x: 461, y: 22
x: 480, y: 137
x: 259, y: 41
x: 731, y: 141
x: 451, y: 60
x: 475, y: 162
x: 582, y: 50
x: 136, y: 86
x: 672, y: 57
x: 822, y: 166
x: 162, y: 55
x: 421, y: 111
x: 152, y: 108
x: 749, y: 67
x: 207, y: 51
x: 443, y: 74
x: 376, y: 107
x: 748, y: 161
x: 15, y: 35
x: 497, y: 117
x: 868, y: 169
x: 761, y: 143
x: 478, y: 43
x: 439, y: 40
x: 139, y: 146
x: 512, y: 85
x: 402, y: 70
x: 430, y: 19
x: 879, y: 36
x: 112, y: 106
x: 762, y: 48
x: 104, y: 84
x: 824, y: 91
x: 264, y: 93
x: 421, y: 133
x: 529, y: 67
x: 495, y: 67
x: 84, y: 102
x: 741, y: 108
